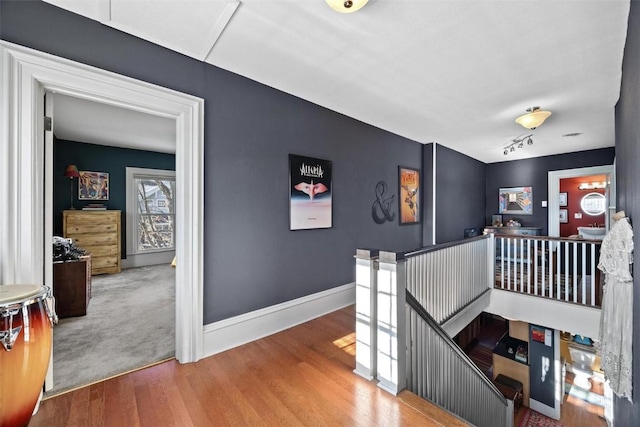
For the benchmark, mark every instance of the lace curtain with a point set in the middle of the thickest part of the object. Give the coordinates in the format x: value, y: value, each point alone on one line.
x: 616, y: 319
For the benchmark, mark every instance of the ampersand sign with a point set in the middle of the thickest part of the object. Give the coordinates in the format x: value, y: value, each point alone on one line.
x: 381, y: 208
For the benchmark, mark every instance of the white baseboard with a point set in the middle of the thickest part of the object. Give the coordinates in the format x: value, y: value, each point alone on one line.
x: 229, y: 333
x: 143, y: 260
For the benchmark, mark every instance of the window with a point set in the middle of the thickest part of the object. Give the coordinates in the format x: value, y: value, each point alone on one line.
x: 151, y: 210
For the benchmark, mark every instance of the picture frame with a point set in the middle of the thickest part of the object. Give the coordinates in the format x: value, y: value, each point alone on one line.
x: 564, y: 216
x: 515, y: 200
x: 562, y: 199
x: 93, y: 185
x: 496, y: 220
x: 310, y: 193
x: 409, y: 203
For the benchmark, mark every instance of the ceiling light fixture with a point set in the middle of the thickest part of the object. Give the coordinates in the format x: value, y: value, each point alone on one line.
x: 517, y: 142
x: 534, y: 118
x: 346, y: 6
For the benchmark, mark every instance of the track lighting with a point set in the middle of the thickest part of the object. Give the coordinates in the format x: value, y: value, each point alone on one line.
x: 517, y: 142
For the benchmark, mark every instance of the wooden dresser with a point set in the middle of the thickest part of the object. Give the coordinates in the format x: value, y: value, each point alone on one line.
x: 98, y: 232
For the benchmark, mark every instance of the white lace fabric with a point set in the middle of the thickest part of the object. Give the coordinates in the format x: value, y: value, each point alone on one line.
x: 616, y: 319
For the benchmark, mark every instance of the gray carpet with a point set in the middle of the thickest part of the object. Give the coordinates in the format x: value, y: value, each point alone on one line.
x: 130, y: 323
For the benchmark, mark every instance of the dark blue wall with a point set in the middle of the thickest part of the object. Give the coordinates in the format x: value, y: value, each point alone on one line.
x: 251, y: 258
x: 534, y: 172
x: 460, y: 190
x: 628, y: 190
x: 99, y: 158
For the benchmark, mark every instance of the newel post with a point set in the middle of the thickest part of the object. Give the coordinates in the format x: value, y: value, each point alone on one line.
x: 366, y: 312
x: 391, y: 329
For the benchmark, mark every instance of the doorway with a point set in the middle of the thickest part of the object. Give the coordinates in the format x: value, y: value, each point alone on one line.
x: 554, y: 178
x: 129, y: 322
x: 27, y: 75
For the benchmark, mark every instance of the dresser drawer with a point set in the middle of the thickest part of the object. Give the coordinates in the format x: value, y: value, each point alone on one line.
x: 101, y: 251
x: 91, y: 229
x: 86, y: 240
x: 102, y: 262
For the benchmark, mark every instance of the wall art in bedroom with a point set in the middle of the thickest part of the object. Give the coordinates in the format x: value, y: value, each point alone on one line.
x: 93, y: 185
x: 310, y: 201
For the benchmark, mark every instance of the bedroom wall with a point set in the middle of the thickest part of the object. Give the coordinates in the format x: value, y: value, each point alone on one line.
x: 99, y: 158
x: 534, y: 172
x: 252, y: 260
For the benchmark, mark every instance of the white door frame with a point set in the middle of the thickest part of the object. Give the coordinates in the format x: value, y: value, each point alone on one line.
x: 554, y: 178
x: 25, y: 75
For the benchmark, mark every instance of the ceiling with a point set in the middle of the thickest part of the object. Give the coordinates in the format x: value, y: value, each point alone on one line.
x: 448, y: 71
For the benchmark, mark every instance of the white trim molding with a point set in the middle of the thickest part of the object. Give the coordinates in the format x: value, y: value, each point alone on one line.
x: 554, y: 178
x: 25, y: 75
x: 236, y: 331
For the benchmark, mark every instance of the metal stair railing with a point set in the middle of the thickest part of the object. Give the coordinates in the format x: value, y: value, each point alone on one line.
x: 439, y: 371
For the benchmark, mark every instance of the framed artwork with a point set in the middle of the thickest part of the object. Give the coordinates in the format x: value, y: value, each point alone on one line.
x: 564, y: 218
x: 516, y: 200
x: 562, y: 199
x: 409, y: 195
x: 496, y: 220
x: 93, y: 185
x: 310, y: 201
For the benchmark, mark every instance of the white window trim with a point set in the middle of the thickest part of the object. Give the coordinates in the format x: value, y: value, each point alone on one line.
x: 149, y: 257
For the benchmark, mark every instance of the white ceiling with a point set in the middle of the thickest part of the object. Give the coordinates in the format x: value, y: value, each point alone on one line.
x: 448, y: 71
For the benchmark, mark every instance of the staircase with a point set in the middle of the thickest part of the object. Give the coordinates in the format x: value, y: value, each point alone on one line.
x: 409, y: 305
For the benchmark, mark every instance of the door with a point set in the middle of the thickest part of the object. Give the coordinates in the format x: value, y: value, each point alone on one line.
x: 48, y: 213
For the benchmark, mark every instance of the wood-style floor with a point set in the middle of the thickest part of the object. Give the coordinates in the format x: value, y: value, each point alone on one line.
x: 301, y: 376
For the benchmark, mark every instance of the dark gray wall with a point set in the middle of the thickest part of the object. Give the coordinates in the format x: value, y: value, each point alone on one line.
x: 460, y: 194
x: 252, y: 259
x: 628, y: 190
x: 99, y: 158
x: 534, y: 172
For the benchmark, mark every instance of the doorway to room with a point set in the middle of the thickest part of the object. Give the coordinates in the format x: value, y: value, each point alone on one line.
x: 27, y: 254
x: 554, y: 207
x: 129, y: 321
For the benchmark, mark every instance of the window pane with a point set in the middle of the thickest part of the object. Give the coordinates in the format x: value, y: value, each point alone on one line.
x: 155, y: 214
x: 155, y: 232
x: 155, y: 196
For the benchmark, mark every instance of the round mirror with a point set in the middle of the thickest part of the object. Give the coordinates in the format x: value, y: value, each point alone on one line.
x: 593, y: 204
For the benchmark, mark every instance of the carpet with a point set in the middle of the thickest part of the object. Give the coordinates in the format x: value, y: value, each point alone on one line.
x: 130, y: 323
x: 532, y: 418
x: 582, y: 394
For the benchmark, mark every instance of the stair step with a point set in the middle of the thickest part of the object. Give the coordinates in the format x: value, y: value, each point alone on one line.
x: 433, y: 411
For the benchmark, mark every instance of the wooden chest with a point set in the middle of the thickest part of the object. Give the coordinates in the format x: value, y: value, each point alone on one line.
x: 98, y: 232
x: 72, y: 286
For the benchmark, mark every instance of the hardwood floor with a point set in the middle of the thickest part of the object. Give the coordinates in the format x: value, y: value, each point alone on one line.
x: 301, y: 376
